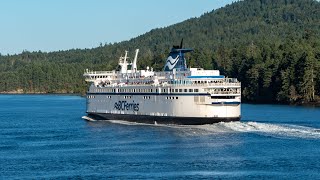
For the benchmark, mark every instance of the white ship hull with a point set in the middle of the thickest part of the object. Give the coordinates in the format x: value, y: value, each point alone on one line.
x: 172, y: 108
x: 178, y: 95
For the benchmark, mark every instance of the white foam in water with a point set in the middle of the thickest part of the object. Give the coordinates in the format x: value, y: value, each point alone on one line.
x: 136, y: 123
x: 88, y: 118
x: 124, y: 122
x: 277, y: 130
x: 274, y: 129
x: 280, y: 130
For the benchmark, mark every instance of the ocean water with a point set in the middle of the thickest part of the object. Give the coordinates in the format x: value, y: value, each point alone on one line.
x: 44, y: 137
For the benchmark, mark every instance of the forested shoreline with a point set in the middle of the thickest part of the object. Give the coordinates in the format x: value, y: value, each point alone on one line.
x: 272, y: 47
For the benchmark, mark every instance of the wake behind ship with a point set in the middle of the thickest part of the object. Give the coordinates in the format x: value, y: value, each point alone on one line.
x: 176, y: 95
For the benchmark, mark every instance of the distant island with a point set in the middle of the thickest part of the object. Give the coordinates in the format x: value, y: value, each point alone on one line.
x: 272, y: 47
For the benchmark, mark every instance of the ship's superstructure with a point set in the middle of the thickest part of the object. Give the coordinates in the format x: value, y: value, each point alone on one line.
x: 177, y: 95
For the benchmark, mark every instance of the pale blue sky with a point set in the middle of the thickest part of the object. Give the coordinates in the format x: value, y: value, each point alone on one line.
x: 51, y: 25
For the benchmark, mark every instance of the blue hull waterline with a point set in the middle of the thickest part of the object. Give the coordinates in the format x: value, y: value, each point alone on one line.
x: 160, y: 119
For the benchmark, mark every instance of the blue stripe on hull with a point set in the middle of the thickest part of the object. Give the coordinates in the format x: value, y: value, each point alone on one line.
x: 152, y: 94
x: 227, y: 103
x: 216, y: 77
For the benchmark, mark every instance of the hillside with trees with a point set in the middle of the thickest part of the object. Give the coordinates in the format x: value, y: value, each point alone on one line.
x: 271, y: 46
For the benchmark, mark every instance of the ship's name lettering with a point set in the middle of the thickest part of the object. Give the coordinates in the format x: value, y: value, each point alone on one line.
x: 124, y: 105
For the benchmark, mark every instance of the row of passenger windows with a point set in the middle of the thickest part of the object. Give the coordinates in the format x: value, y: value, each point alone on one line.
x: 135, y: 90
x: 171, y: 97
x: 213, y: 81
x: 146, y: 90
x: 105, y: 90
x: 184, y: 90
x: 129, y: 97
x: 125, y: 97
x: 95, y: 77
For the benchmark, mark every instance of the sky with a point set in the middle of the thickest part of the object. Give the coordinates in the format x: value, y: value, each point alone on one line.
x: 52, y: 25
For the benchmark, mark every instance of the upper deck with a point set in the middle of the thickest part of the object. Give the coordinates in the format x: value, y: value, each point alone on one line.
x: 183, y: 77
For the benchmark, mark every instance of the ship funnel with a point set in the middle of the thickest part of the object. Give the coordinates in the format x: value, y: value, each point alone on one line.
x: 176, y: 59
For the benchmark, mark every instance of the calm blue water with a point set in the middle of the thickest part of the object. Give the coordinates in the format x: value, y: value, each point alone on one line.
x: 44, y: 137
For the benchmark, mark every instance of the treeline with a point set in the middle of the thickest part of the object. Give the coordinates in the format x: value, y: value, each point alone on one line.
x: 287, y: 72
x: 55, y: 72
x: 272, y: 47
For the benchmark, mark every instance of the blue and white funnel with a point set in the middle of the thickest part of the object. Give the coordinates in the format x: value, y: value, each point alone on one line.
x: 176, y: 59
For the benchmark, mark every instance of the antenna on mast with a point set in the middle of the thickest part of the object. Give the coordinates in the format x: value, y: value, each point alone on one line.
x: 181, y: 43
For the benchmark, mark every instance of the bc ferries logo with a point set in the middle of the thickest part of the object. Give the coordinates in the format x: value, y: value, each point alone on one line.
x: 171, y: 63
x: 124, y: 105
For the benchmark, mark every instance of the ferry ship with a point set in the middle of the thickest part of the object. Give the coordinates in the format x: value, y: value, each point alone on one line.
x: 176, y: 95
